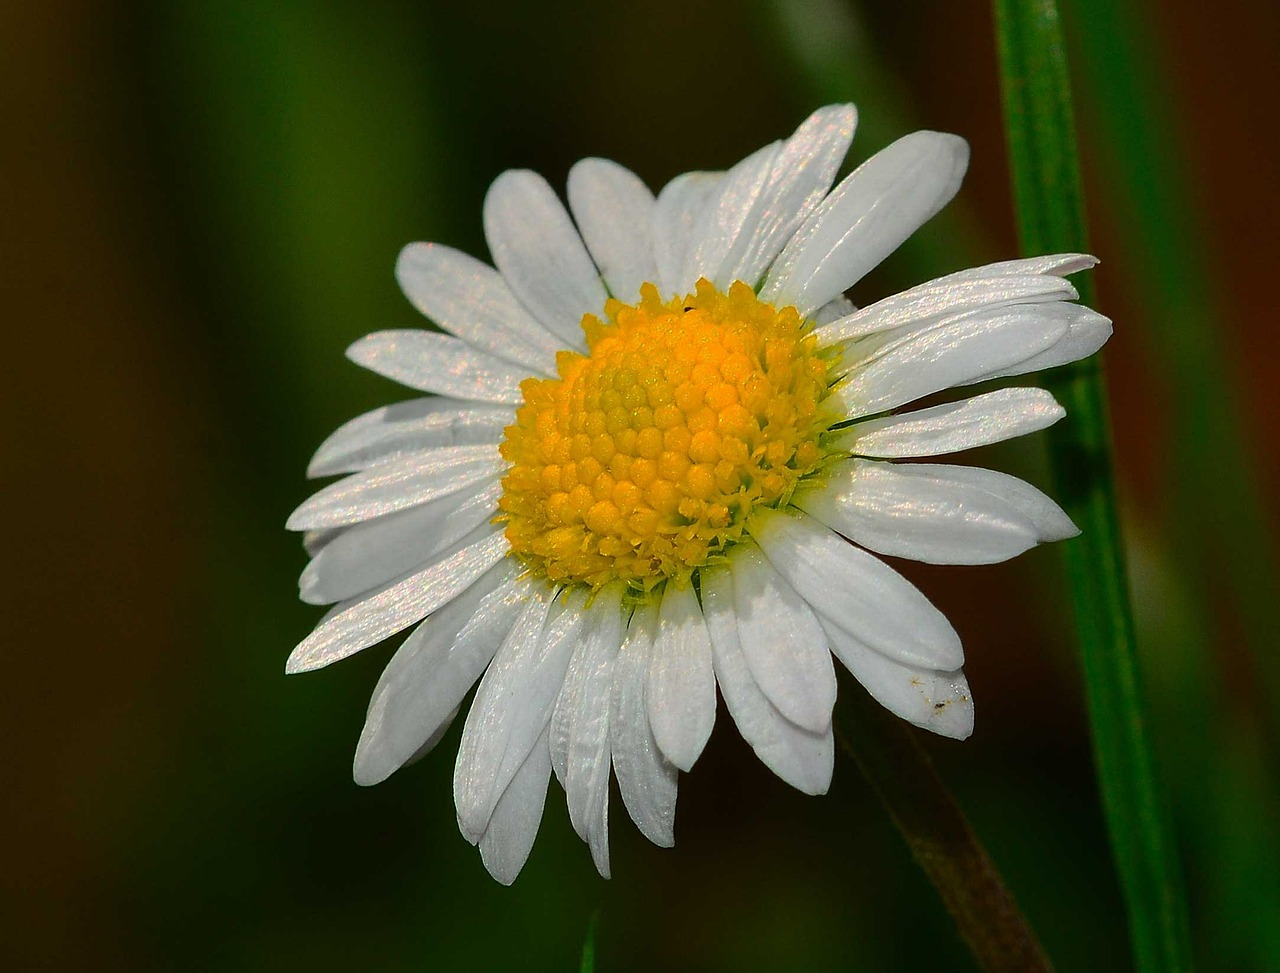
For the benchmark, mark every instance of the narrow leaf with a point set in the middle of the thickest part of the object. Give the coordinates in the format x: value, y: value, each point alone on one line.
x: 1049, y: 201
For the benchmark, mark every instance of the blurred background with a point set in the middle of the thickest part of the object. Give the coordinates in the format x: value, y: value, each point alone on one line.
x: 203, y: 207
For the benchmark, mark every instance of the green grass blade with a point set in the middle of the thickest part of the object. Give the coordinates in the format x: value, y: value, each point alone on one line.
x: 1050, y: 209
x: 589, y: 944
x: 1218, y: 515
x: 1225, y: 518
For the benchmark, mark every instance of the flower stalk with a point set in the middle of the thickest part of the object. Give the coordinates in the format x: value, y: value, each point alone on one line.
x: 1050, y: 209
x: 890, y: 757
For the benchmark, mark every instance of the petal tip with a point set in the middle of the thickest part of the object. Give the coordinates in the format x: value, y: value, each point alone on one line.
x: 299, y: 661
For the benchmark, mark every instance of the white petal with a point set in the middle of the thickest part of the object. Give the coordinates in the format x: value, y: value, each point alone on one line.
x: 565, y: 712
x: 614, y: 211
x: 955, y: 351
x: 918, y: 516
x: 437, y: 363
x: 1050, y: 522
x: 513, y: 706
x: 801, y: 176
x: 364, y: 621
x: 380, y: 550
x: 866, y: 218
x: 935, y: 700
x: 978, y: 421
x: 430, y: 743
x: 588, y: 675
x: 678, y: 210
x: 938, y: 299
x: 833, y: 310
x: 395, y: 431
x: 1087, y: 332
x: 646, y: 779
x: 397, y: 485
x: 506, y: 843
x: 1055, y: 264
x: 803, y: 758
x: 315, y: 541
x: 729, y: 217
x: 540, y: 254
x: 470, y: 299
x: 480, y: 752
x: 426, y: 679
x: 857, y: 591
x: 681, y: 695
x: 587, y: 758
x: 567, y: 703
x: 782, y: 642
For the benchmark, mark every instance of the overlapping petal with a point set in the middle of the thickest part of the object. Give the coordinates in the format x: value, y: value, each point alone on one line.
x: 866, y: 218
x: 406, y: 428
x: 540, y: 254
x: 614, y: 210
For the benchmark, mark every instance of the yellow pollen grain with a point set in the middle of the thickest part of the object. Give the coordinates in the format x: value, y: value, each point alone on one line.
x: 645, y: 458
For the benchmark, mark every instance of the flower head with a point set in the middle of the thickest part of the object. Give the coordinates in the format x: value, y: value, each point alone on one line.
x: 657, y: 450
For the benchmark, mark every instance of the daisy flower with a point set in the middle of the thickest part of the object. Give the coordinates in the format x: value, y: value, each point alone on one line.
x: 658, y: 454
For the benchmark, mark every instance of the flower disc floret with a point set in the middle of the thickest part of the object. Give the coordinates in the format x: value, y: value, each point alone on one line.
x: 645, y: 459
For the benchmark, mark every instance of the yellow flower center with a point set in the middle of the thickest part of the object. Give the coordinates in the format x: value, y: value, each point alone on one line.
x: 643, y: 461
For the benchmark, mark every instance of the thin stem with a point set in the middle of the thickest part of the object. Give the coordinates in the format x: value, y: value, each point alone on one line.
x: 589, y: 944
x: 892, y: 760
x: 1050, y: 207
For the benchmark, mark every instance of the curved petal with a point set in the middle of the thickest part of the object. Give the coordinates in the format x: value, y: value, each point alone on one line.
x: 1049, y: 520
x: 919, y: 516
x: 681, y: 692
x: 469, y: 299
x: 366, y: 620
x: 857, y: 591
x: 397, y: 485
x: 931, y: 699
x: 677, y: 211
x: 395, y: 431
x: 540, y: 254
x: 513, y: 826
x: 1054, y: 264
x: 646, y: 779
x: 425, y: 681
x: 978, y: 421
x: 955, y: 351
x: 581, y: 722
x: 729, y: 217
x: 800, y: 177
x: 437, y: 363
x: 513, y: 705
x: 866, y: 218
x: 929, y: 303
x: 377, y: 551
x: 803, y: 758
x: 1087, y: 332
x: 614, y: 211
x: 781, y: 641
x: 315, y: 541
x: 833, y: 310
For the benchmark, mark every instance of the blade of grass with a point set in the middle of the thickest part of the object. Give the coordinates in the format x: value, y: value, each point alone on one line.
x: 1050, y: 205
x: 589, y: 944
x: 1224, y: 516
x: 941, y: 840
x: 1217, y: 515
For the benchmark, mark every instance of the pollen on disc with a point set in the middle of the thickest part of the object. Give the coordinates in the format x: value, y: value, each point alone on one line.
x: 643, y: 460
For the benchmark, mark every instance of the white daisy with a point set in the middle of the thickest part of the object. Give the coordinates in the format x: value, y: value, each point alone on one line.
x: 657, y: 449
